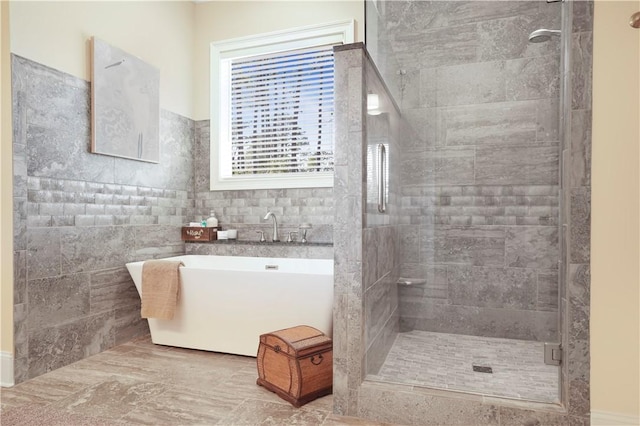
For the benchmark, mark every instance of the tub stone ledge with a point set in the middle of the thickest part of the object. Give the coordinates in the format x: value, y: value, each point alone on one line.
x: 258, y: 249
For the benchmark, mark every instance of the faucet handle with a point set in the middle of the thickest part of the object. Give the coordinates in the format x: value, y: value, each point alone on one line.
x: 262, y: 238
x: 292, y: 237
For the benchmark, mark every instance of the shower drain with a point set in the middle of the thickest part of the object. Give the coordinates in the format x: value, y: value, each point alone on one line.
x: 482, y: 369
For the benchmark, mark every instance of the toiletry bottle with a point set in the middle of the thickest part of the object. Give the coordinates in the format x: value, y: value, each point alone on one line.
x: 212, y: 221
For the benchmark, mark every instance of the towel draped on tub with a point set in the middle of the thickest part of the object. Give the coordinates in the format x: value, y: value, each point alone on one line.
x: 160, y: 288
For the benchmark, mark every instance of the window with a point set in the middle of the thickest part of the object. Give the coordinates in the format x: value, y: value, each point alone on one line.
x: 272, y: 109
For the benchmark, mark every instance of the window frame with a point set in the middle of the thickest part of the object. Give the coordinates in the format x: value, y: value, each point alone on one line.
x: 341, y: 32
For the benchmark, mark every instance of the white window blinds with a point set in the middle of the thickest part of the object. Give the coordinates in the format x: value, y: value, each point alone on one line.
x: 280, y: 113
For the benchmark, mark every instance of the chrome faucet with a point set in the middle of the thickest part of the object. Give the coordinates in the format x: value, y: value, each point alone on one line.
x: 275, y: 238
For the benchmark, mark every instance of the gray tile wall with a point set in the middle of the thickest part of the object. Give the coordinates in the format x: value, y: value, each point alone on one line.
x: 350, y: 192
x: 480, y: 177
x: 244, y: 210
x: 380, y: 258
x: 575, y: 297
x: 79, y: 217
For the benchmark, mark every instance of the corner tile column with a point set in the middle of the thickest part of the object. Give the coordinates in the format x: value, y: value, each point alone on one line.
x: 349, y: 201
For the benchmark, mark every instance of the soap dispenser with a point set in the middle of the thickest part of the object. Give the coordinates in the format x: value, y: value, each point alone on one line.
x: 212, y: 221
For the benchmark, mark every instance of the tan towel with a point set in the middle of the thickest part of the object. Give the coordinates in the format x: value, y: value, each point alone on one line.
x: 160, y: 288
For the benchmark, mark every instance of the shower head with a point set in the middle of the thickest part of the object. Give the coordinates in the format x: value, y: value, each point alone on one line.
x: 542, y: 35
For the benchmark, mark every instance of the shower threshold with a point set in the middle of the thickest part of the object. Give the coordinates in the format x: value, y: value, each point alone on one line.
x: 504, y: 368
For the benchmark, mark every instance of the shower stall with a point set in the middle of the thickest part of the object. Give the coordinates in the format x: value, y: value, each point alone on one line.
x: 458, y: 283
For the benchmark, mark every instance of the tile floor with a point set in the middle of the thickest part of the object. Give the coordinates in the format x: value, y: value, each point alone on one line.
x: 444, y: 361
x: 142, y: 383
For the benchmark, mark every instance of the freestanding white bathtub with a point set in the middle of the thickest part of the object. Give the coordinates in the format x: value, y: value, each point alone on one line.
x: 227, y: 302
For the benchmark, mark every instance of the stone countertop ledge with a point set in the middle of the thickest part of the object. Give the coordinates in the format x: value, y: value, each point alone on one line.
x: 266, y: 243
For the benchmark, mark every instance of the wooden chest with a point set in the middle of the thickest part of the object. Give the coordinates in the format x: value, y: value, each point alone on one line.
x: 296, y: 363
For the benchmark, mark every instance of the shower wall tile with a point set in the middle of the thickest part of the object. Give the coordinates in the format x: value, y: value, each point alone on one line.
x: 423, y: 123
x: 409, y: 243
x: 452, y: 166
x: 470, y: 83
x: 515, y: 177
x: 547, y: 290
x: 470, y: 320
x: 370, y: 255
x: 436, y: 286
x: 506, y: 38
x: 532, y: 247
x: 379, y: 348
x: 532, y: 78
x: 501, y: 123
x: 509, y: 288
x: 472, y: 245
x: 521, y: 165
x: 436, y: 48
x: 470, y: 11
x: 435, y: 289
x: 378, y: 307
x: 414, y: 17
x: 548, y: 120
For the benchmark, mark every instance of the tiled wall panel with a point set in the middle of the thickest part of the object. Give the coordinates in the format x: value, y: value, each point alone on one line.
x: 80, y: 218
x: 480, y: 178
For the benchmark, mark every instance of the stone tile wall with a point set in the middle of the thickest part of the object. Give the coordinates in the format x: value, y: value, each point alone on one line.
x: 349, y: 191
x: 245, y: 210
x: 80, y: 217
x: 480, y: 177
x: 575, y: 296
x: 380, y: 254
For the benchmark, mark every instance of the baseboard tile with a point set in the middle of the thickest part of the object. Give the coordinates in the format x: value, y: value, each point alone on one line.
x: 6, y: 369
x: 605, y: 418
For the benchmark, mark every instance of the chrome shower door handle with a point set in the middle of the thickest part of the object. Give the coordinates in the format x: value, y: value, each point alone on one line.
x: 382, y: 181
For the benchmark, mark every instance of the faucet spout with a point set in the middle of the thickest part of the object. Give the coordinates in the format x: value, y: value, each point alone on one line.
x: 275, y: 238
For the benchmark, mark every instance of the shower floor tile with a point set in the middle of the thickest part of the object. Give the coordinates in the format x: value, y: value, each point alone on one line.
x: 445, y: 361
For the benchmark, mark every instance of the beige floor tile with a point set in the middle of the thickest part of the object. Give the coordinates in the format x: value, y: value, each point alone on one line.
x: 254, y: 412
x: 111, y: 399
x: 177, y: 407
